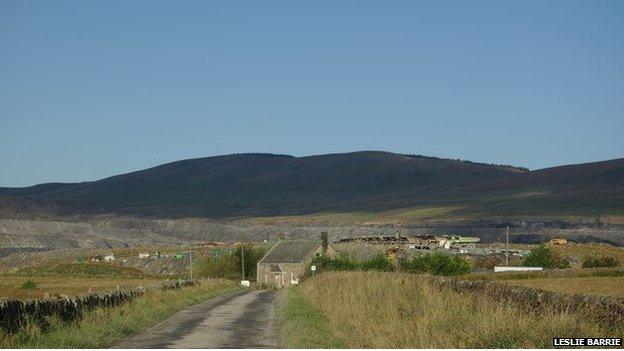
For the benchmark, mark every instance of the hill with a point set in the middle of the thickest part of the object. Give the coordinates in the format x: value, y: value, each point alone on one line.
x: 264, y: 185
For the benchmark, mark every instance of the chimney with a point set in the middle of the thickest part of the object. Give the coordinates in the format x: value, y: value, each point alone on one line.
x: 324, y: 243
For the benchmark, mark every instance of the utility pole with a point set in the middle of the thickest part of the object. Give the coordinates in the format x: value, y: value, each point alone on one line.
x: 243, y: 260
x: 507, y: 250
x: 191, y: 259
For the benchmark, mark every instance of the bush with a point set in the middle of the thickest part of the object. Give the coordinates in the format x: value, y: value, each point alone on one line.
x: 29, y: 285
x: 437, y: 263
x: 600, y: 262
x: 542, y: 256
x: 345, y: 263
x: 341, y: 263
x: 378, y: 263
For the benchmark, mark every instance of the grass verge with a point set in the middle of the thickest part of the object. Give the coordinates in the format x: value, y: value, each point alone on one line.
x: 303, y: 325
x: 101, y: 327
x: 397, y: 310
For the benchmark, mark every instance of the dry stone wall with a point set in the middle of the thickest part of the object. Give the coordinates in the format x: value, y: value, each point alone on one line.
x: 603, y: 309
x: 16, y: 314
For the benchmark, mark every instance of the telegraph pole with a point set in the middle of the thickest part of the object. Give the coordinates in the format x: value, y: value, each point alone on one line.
x: 507, y: 250
x: 191, y: 259
x: 243, y: 260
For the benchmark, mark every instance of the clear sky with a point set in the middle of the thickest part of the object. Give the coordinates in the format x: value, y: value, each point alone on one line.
x: 91, y: 89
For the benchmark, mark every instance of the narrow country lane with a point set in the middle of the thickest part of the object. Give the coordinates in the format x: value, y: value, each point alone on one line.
x: 241, y: 320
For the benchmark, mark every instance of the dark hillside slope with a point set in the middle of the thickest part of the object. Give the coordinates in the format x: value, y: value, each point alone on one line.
x: 264, y: 184
x: 595, y: 188
x: 596, y: 174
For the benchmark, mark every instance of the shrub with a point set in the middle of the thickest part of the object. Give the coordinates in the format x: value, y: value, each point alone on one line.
x: 542, y: 256
x: 437, y: 263
x: 604, y: 261
x: 29, y: 285
x: 341, y: 263
x: 378, y: 263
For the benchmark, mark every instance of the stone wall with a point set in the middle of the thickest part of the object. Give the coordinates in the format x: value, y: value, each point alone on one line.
x: 603, y: 309
x: 15, y: 314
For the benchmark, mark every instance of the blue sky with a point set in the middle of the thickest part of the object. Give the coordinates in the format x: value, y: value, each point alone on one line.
x: 92, y: 89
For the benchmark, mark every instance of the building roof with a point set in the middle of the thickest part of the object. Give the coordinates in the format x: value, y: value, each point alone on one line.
x: 290, y: 251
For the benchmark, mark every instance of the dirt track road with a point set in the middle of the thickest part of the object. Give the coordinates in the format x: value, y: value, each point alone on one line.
x: 241, y: 320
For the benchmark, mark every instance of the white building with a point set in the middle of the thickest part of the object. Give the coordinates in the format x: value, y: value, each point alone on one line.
x: 517, y: 269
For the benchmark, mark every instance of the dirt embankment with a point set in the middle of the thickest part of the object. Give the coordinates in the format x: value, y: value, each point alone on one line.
x: 23, y: 242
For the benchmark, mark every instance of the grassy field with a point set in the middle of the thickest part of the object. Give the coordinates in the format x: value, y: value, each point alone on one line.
x: 13, y: 287
x: 577, y: 253
x: 551, y: 273
x: 610, y: 286
x: 82, y: 270
x: 395, y: 310
x: 70, y: 280
x: 594, y: 281
x: 101, y: 327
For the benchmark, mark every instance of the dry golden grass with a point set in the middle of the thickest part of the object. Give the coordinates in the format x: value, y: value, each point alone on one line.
x: 395, y: 310
x: 612, y: 286
x: 577, y: 253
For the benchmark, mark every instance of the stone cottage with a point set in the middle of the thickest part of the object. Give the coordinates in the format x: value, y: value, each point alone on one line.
x: 287, y: 261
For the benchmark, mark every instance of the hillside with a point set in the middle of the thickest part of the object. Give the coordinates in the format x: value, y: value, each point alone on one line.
x: 264, y: 185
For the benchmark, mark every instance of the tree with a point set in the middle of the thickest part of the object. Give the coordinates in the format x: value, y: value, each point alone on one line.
x: 252, y: 256
x: 542, y: 256
x: 223, y: 266
x: 229, y: 264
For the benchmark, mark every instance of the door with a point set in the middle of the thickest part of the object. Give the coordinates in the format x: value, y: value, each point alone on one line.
x: 278, y: 280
